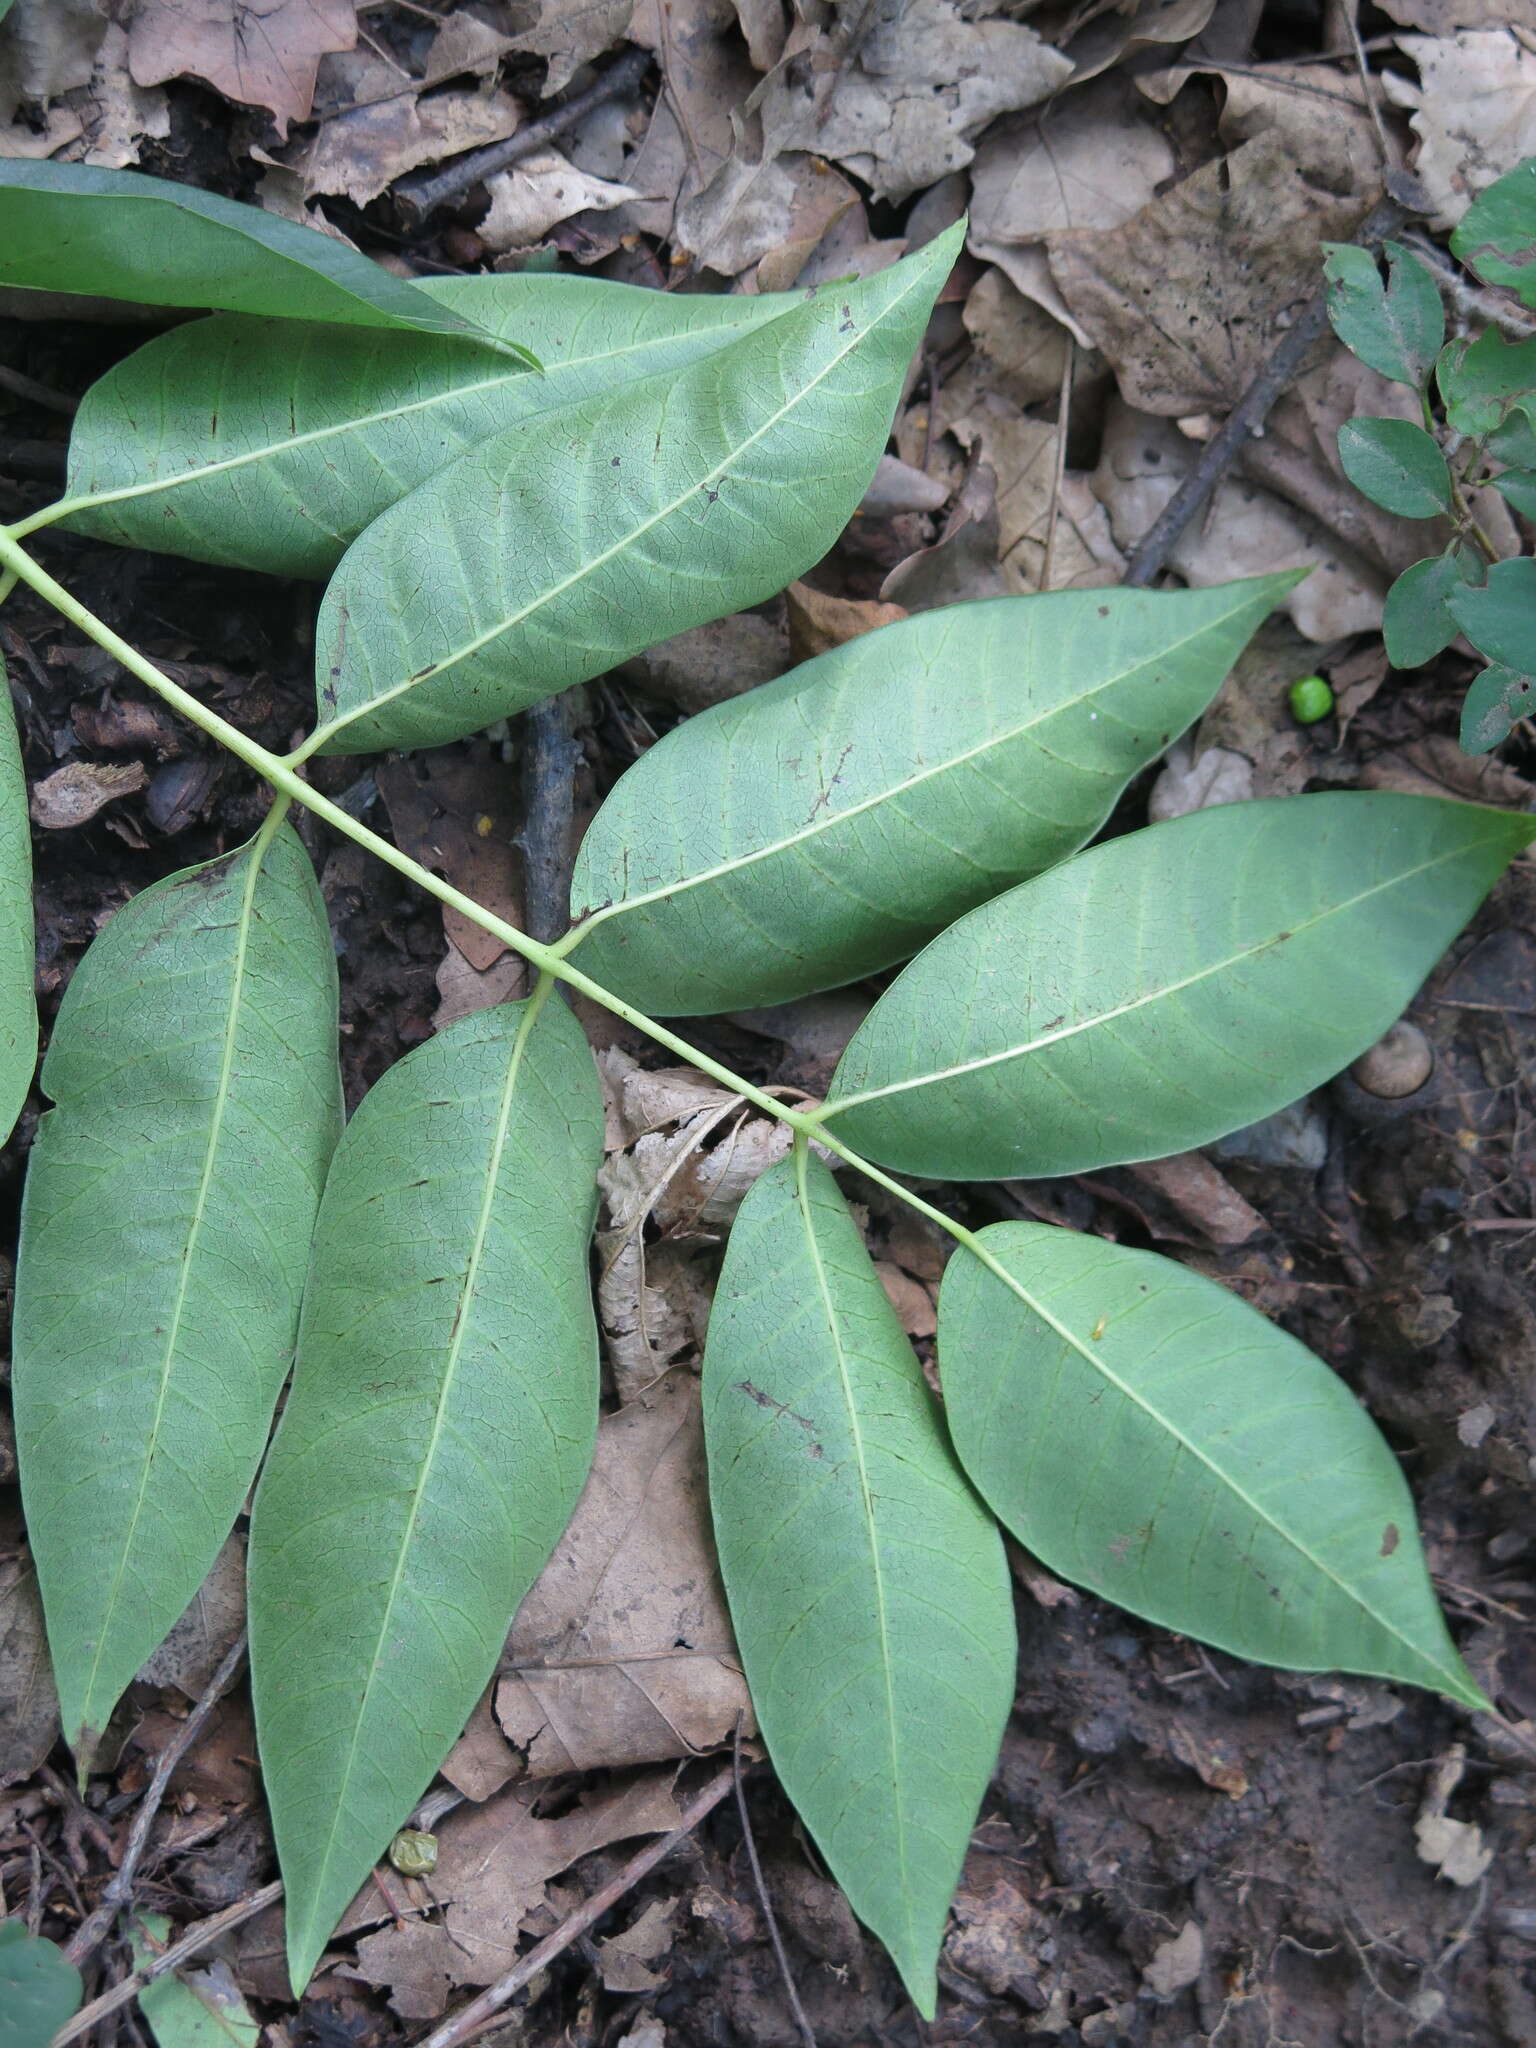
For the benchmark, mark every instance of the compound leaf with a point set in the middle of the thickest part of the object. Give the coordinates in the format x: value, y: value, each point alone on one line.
x: 169, y: 1203
x: 1397, y: 465
x: 437, y: 1435
x: 1416, y: 620
x: 227, y: 441
x: 870, y: 797
x: 867, y: 1585
x: 1163, y: 989
x: 1398, y: 326
x: 1500, y: 617
x: 567, y: 544
x: 18, y: 1002
x: 39, y: 1988
x: 119, y: 235
x: 1147, y: 1434
x: 1495, y: 700
x: 1497, y: 233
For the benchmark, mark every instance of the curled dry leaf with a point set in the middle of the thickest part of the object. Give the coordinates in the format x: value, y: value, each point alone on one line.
x: 48, y: 47
x: 1022, y: 455
x: 72, y: 795
x: 819, y: 621
x: 385, y: 132
x: 540, y: 192
x: 1473, y: 110
x: 261, y: 55
x: 623, y: 1653
x: 569, y: 33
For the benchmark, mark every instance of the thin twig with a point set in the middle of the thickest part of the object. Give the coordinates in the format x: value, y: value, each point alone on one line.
x: 419, y: 195
x: 549, y: 809
x: 89, y: 1936
x: 1252, y: 409
x: 796, y: 2008
x: 480, y: 2010
x: 1391, y: 157
x: 37, y: 394
x: 193, y: 1942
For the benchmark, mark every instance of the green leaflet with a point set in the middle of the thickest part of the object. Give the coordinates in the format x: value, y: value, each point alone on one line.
x: 18, y: 1002
x: 1497, y: 233
x: 227, y: 442
x: 1396, y: 327
x: 569, y: 543
x: 831, y: 822
x: 1500, y: 617
x: 437, y: 1435
x: 118, y: 235
x: 39, y: 1988
x: 1168, y: 987
x: 1147, y: 1434
x: 867, y: 1586
x: 1397, y: 465
x: 1416, y: 621
x: 1495, y: 700
x: 169, y: 1202
x: 201, y: 2009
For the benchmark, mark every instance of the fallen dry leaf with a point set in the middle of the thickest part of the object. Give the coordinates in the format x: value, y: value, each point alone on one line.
x: 1455, y: 1849
x: 1245, y: 531
x: 463, y: 989
x: 416, y: 1961
x: 901, y: 103
x: 1443, y: 17
x: 1436, y: 766
x: 819, y: 622
x: 261, y: 55
x: 1186, y: 298
x: 1202, y: 1195
x: 622, y: 1652
x: 29, y: 1706
x: 47, y: 47
x: 1020, y: 349
x: 709, y: 663
x: 910, y: 1299
x: 493, y: 1861
x: 1251, y: 717
x: 1022, y: 455
x: 1176, y: 1963
x: 537, y: 194
x: 1215, y: 1763
x: 760, y: 201
x: 568, y: 33
x: 1120, y: 32
x: 364, y: 146
x: 1474, y: 111
x: 624, y: 1959
x: 206, y: 1633
x: 1088, y: 161
x: 706, y: 78
x: 72, y: 795
x: 456, y: 814
x: 963, y: 563
x: 1198, y: 782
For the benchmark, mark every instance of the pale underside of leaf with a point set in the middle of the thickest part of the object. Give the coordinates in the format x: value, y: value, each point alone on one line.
x: 1165, y: 988
x: 18, y: 1003
x: 863, y: 802
x: 166, y: 1221
x: 1149, y: 1435
x: 436, y: 1438
x: 226, y: 442
x: 867, y: 1586
x: 582, y: 536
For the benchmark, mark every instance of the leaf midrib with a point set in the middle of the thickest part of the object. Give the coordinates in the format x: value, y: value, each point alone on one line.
x: 450, y: 1374
x: 325, y: 733
x: 89, y: 500
x: 802, y: 1202
x: 829, y: 821
x: 1015, y: 1052
x: 258, y: 853
x: 1093, y: 1359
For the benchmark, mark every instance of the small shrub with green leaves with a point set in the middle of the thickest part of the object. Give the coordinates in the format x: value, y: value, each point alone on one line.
x: 197, y: 1222
x: 1478, y: 398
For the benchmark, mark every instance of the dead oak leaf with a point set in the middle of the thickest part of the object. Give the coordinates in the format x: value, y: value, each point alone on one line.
x: 262, y: 53
x: 1474, y: 112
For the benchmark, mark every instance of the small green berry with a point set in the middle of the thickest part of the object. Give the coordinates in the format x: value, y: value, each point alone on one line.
x: 1311, y: 699
x: 413, y: 1853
